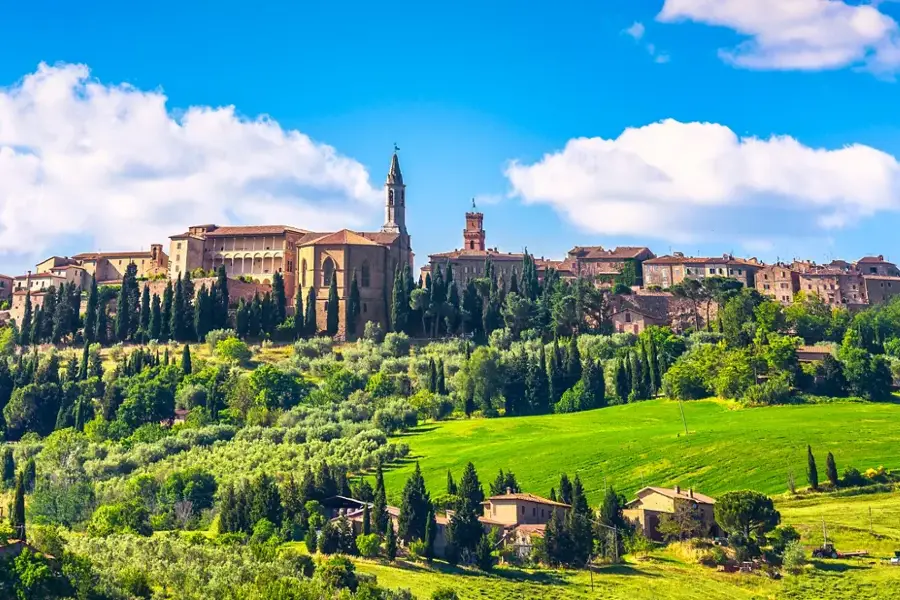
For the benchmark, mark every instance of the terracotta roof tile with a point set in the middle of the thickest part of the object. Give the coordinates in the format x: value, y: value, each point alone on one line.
x: 599, y: 252
x: 482, y: 254
x: 96, y: 255
x: 40, y: 275
x: 529, y: 498
x: 873, y: 259
x: 342, y: 237
x: 683, y: 494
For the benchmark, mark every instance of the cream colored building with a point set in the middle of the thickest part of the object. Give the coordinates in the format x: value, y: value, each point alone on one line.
x: 652, y: 503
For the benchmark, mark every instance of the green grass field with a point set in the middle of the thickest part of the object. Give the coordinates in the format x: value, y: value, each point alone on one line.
x: 629, y: 446
x: 664, y: 575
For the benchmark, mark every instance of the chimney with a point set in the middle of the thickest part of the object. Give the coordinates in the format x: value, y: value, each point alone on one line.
x: 677, y: 489
x: 508, y: 491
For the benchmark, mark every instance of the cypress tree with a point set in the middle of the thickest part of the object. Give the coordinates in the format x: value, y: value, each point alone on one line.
x: 594, y: 385
x: 430, y: 534
x: 555, y: 374
x: 565, y: 489
x: 399, y: 303
x: 204, y: 313
x: 353, y: 308
x: 623, y: 387
x: 367, y: 523
x: 441, y: 382
x: 222, y: 298
x: 186, y: 367
x: 85, y: 360
x: 310, y: 327
x: 811, y: 473
x: 279, y: 300
x: 155, y: 318
x: 37, y: 327
x: 90, y: 314
x: 7, y: 467
x: 145, y: 313
x: 165, y: 320
x: 573, y: 362
x: 17, y: 510
x: 655, y: 371
x: 29, y: 476
x: 178, y: 317
x: 123, y: 312
x: 390, y: 544
x: 331, y: 309
x: 432, y: 376
x: 298, y: 314
x: 379, y: 505
x: 414, y: 508
x: 579, y: 499
x: 242, y: 319
x: 537, y: 385
x: 451, y: 485
x: 831, y: 470
x: 646, y: 373
x: 637, y: 377
x: 25, y: 326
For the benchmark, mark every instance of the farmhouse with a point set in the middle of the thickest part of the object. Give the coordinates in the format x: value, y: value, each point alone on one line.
x: 652, y: 503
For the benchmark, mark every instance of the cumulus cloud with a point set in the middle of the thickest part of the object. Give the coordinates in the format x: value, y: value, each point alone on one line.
x: 113, y: 166
x: 701, y: 181
x: 636, y: 30
x: 797, y: 34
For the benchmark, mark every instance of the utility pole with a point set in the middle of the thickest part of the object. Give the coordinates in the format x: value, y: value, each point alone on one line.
x: 870, y: 520
x: 824, y: 533
x: 683, y: 420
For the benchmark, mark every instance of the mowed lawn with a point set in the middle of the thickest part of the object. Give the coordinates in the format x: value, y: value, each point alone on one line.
x: 727, y: 447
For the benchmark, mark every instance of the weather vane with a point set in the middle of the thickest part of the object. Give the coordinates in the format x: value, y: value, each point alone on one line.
x: 396, y: 147
x: 473, y: 203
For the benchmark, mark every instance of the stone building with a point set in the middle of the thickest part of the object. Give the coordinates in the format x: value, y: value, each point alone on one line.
x: 666, y: 271
x: 836, y: 287
x: 881, y: 288
x: 468, y: 262
x: 6, y: 286
x: 652, y: 503
x: 779, y: 282
x: 39, y: 281
x: 253, y: 251
x: 606, y: 265
x: 110, y: 266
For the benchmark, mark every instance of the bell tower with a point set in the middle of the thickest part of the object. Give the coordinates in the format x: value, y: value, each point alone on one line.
x: 473, y: 234
x: 394, y: 198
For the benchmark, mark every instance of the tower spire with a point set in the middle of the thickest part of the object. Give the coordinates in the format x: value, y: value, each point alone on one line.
x: 395, y: 197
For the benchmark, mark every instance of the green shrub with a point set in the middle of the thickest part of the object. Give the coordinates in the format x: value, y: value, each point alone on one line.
x: 444, y: 593
x: 368, y: 545
x: 216, y: 335
x: 794, y: 558
x: 234, y: 350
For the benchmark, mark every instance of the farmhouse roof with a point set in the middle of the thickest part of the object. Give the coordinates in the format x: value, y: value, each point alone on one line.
x: 873, y: 259
x: 677, y: 493
x: 617, y: 253
x: 525, y: 497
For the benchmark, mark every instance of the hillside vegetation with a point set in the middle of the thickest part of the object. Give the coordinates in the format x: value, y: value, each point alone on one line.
x: 632, y: 445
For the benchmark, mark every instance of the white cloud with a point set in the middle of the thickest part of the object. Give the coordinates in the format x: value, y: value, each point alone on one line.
x: 636, y: 30
x: 797, y: 34
x: 110, y: 164
x: 701, y: 181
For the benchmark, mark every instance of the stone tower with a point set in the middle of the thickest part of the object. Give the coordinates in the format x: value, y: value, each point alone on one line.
x: 395, y: 199
x: 473, y: 234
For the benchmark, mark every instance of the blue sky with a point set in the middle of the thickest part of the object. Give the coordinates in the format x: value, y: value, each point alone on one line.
x: 464, y: 88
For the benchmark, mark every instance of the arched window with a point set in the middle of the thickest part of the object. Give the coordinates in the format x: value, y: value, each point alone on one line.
x: 390, y: 197
x: 366, y: 275
x: 327, y: 271
x: 303, y: 273
x: 471, y: 245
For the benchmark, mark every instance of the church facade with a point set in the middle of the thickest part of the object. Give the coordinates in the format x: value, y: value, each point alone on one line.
x: 309, y: 260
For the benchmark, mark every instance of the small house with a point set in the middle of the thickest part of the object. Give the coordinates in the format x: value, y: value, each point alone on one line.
x: 652, y: 503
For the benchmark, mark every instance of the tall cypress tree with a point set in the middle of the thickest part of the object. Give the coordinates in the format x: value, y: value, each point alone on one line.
x: 537, y: 385
x: 812, y: 473
x: 278, y: 298
x: 90, y: 314
x: 399, y: 303
x: 165, y: 319
x: 102, y: 336
x: 25, y: 325
x: 390, y: 543
x: 380, y: 516
x: 332, y: 315
x: 353, y: 308
x: 441, y: 382
x: 186, y: 366
x: 37, y: 326
x: 7, y: 467
x: 310, y: 327
x: 123, y: 311
x: 298, y: 314
x: 17, y: 510
x: 155, y: 318
x: 654, y: 367
x: 831, y: 470
x: 222, y: 298
x: 573, y: 362
x: 414, y: 508
x: 178, y: 317
x: 204, y: 313
x: 145, y: 313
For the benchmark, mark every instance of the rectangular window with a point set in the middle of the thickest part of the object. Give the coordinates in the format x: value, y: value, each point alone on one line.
x: 523, y: 510
x: 178, y: 245
x: 533, y: 511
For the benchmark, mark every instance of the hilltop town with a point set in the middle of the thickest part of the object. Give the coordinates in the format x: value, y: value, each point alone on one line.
x: 645, y: 289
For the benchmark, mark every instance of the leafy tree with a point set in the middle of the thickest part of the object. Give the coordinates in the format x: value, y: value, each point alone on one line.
x: 831, y: 470
x: 684, y: 523
x: 812, y: 474
x: 746, y: 512
x: 124, y: 517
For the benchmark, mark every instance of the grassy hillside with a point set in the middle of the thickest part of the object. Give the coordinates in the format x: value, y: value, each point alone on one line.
x: 644, y: 443
x: 665, y: 574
